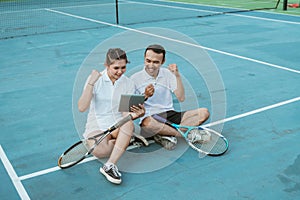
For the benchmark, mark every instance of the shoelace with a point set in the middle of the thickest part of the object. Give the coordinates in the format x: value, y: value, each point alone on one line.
x: 116, y: 171
x: 195, y: 136
x: 170, y: 138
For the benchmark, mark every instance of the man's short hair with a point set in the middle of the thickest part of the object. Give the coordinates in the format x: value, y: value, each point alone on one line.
x: 157, y: 49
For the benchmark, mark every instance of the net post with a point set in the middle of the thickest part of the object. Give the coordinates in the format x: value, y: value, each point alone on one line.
x: 117, y: 12
x: 285, y: 3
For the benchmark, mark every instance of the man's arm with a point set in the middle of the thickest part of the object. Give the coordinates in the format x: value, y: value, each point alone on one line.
x: 179, y: 91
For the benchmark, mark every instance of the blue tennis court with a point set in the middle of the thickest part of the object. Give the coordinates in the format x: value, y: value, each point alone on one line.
x: 242, y: 66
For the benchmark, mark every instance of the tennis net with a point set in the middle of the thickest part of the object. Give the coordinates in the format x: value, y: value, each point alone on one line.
x: 147, y: 11
x: 21, y: 18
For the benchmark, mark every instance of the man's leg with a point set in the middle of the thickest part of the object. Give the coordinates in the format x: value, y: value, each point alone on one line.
x: 162, y: 133
x: 194, y: 117
x: 190, y: 118
x: 153, y: 127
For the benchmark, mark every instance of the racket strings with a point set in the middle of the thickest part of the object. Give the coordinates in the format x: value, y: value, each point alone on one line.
x: 74, y: 154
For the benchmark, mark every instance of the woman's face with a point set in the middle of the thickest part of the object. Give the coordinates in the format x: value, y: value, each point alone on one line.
x: 116, y: 69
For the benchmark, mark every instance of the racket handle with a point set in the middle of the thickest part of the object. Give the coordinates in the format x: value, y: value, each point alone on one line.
x: 159, y: 118
x: 122, y: 121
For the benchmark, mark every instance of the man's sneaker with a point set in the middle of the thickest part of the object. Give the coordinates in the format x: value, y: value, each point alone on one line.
x: 196, y: 136
x: 168, y: 142
x: 138, y: 139
x: 111, y: 172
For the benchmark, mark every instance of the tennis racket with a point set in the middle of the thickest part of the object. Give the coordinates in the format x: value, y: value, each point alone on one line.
x: 79, y: 151
x: 208, y: 141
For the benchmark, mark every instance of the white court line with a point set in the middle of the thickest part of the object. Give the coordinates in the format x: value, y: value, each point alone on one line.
x: 174, y: 40
x: 13, y: 176
x: 46, y: 171
x: 267, y: 19
x: 253, y: 112
x: 38, y: 173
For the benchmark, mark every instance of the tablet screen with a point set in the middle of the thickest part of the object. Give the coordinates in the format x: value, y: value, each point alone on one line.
x: 128, y: 100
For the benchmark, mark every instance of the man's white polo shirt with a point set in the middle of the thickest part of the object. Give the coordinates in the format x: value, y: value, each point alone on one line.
x: 164, y: 85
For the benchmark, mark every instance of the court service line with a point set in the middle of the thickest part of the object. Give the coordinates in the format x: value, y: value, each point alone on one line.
x: 46, y: 171
x: 13, y: 176
x: 175, y: 40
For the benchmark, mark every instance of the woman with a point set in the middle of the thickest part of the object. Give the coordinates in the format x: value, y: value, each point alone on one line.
x: 101, y: 95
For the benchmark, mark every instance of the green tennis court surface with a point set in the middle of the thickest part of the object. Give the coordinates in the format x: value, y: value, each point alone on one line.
x: 252, y: 84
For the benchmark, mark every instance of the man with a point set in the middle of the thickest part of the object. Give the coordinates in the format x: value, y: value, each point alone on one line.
x: 165, y: 81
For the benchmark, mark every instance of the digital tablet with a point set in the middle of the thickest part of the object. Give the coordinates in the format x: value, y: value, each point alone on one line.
x: 128, y: 100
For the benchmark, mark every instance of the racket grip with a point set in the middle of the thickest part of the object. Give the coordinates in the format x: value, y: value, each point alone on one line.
x: 123, y: 121
x: 159, y: 118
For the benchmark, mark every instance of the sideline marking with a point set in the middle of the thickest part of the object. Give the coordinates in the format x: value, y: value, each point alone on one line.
x: 39, y: 173
x: 13, y: 176
x: 253, y: 112
x: 175, y: 40
x: 52, y: 169
x: 206, y: 125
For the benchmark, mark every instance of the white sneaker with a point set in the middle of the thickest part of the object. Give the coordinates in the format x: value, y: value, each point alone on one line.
x: 111, y: 172
x: 201, y: 136
x: 140, y: 139
x: 168, y: 142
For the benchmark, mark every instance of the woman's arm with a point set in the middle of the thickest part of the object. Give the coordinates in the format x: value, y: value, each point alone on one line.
x: 87, y: 94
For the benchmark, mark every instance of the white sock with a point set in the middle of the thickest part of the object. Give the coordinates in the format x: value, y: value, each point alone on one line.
x: 108, y: 165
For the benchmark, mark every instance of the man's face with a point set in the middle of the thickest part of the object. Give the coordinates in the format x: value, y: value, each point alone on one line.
x: 153, y: 61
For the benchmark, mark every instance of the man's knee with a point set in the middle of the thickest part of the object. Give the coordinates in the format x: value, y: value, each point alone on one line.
x: 146, y: 122
x: 204, y: 113
x: 148, y: 127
